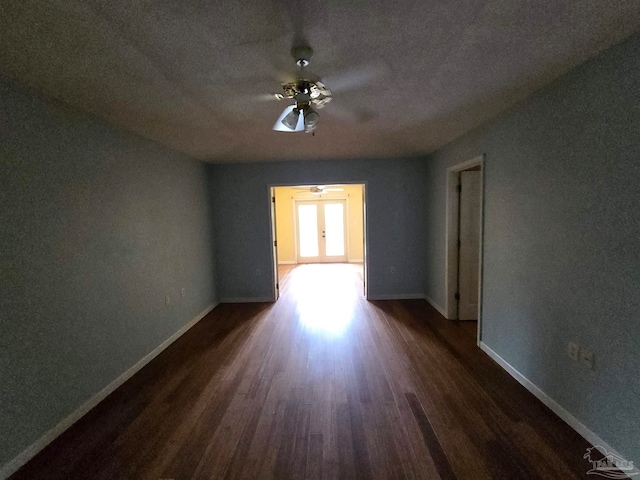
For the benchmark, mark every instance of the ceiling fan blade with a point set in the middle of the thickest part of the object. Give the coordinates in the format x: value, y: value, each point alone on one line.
x: 340, y: 112
x: 284, y: 74
x: 292, y: 75
x: 263, y: 97
x: 356, y: 78
x: 241, y: 104
x: 283, y: 69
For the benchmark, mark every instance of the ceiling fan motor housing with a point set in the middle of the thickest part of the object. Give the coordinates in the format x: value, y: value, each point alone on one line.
x: 302, y: 55
x: 306, y: 92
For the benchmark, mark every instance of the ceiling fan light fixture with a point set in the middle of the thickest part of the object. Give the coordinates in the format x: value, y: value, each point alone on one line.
x: 307, y: 91
x: 290, y: 120
x: 311, y: 118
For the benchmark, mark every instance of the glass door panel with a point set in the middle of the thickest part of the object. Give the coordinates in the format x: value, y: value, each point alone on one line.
x: 308, y: 246
x: 334, y: 229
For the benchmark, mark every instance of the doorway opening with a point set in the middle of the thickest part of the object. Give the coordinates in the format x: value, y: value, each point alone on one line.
x: 464, y: 241
x: 318, y: 224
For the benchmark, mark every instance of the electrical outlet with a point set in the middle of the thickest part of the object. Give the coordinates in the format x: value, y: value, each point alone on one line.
x: 392, y: 269
x: 587, y: 358
x: 258, y: 272
x: 167, y: 300
x: 183, y: 292
x: 573, y: 350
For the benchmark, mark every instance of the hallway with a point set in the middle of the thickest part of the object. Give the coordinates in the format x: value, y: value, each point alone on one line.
x: 321, y: 384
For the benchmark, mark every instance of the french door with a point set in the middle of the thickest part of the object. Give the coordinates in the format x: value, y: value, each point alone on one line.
x: 321, y: 231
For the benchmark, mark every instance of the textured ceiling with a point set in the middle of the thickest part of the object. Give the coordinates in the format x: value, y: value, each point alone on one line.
x: 408, y: 76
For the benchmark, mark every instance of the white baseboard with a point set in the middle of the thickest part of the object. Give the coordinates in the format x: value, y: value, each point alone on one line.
x: 23, y: 457
x: 398, y: 296
x: 287, y: 262
x: 554, y: 406
x: 246, y: 299
x: 440, y: 310
x: 356, y: 260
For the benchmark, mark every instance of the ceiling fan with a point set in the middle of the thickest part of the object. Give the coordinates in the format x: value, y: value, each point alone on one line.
x: 309, y: 94
x: 320, y: 189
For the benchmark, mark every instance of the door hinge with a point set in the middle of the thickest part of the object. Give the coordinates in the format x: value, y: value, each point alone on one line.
x: 275, y: 243
x: 277, y: 286
x: 273, y: 199
x: 459, y: 188
x: 457, y: 296
x: 459, y: 244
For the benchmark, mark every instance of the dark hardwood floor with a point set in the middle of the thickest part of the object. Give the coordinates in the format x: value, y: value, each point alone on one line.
x: 321, y: 384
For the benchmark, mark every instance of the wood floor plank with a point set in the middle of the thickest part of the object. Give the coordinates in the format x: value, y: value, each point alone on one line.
x: 315, y: 457
x: 433, y: 444
x: 322, y: 384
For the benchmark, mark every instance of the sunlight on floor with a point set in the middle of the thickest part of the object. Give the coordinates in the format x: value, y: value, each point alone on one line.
x: 326, y: 296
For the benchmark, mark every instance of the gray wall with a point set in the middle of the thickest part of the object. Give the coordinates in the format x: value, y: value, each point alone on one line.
x: 396, y: 224
x: 562, y: 239
x: 97, y: 227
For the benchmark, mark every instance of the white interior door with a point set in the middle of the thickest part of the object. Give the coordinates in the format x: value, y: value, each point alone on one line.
x: 321, y: 231
x: 469, y: 253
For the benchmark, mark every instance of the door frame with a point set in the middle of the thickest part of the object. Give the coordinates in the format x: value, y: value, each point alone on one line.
x: 451, y: 237
x: 273, y: 231
x: 274, y: 246
x: 347, y: 238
